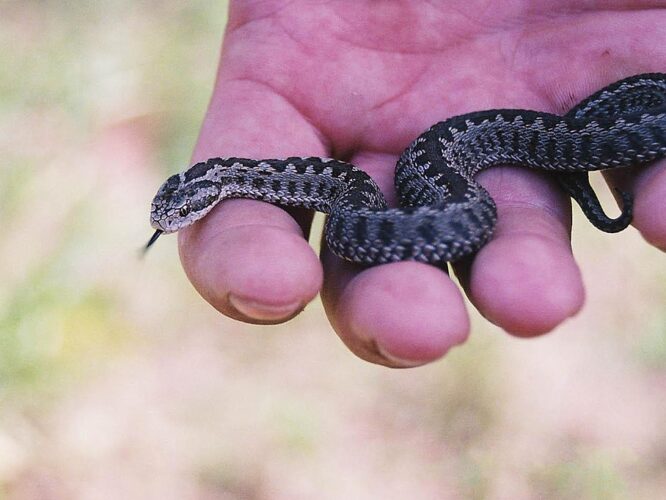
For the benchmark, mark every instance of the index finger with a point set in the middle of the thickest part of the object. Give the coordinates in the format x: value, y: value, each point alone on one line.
x: 249, y: 259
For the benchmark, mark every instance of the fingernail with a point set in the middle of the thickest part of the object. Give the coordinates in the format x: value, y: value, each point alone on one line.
x: 265, y: 312
x: 400, y: 363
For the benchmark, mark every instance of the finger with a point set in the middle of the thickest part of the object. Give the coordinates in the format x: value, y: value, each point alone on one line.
x: 401, y: 314
x: 525, y: 280
x: 248, y: 259
x: 648, y: 186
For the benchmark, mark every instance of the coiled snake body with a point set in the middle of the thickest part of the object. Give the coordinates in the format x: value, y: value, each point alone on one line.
x: 444, y: 213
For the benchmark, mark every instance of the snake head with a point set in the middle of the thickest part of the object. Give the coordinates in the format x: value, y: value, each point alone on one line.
x: 181, y: 201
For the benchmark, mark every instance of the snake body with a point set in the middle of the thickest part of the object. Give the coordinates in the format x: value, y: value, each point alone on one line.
x: 444, y: 214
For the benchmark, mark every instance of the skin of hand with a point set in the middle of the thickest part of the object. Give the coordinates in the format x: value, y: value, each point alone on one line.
x: 359, y: 80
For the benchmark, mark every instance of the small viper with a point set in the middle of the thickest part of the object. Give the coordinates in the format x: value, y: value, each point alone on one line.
x: 444, y: 214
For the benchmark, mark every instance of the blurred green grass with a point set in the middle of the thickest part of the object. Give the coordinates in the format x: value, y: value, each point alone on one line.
x: 117, y: 381
x: 69, y: 71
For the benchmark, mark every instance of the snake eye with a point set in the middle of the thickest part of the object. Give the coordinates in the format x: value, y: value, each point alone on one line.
x: 184, y: 210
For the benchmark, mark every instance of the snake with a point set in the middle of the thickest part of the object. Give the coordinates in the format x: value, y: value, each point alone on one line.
x: 443, y: 214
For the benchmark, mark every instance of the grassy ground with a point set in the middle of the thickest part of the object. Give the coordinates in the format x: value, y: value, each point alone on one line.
x: 117, y: 381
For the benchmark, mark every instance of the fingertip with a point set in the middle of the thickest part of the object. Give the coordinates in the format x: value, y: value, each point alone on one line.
x: 525, y: 280
x: 264, y: 273
x: 526, y: 284
x: 402, y: 315
x: 650, y: 206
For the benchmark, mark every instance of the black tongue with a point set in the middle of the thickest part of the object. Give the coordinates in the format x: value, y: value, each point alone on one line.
x: 153, y: 239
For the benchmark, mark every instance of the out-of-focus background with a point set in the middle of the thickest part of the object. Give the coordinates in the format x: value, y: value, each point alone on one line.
x: 118, y: 381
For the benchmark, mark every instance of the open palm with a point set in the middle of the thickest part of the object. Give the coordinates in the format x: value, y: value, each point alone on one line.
x: 358, y: 81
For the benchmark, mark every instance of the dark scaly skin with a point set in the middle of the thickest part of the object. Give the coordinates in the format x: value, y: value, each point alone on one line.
x: 445, y: 214
x: 646, y: 92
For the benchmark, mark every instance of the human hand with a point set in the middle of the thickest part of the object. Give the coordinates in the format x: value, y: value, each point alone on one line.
x: 359, y: 81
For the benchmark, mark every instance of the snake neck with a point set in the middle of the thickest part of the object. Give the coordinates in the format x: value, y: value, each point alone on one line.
x: 312, y: 183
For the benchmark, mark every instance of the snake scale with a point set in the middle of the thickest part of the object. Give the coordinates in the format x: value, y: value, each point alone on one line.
x: 444, y: 214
